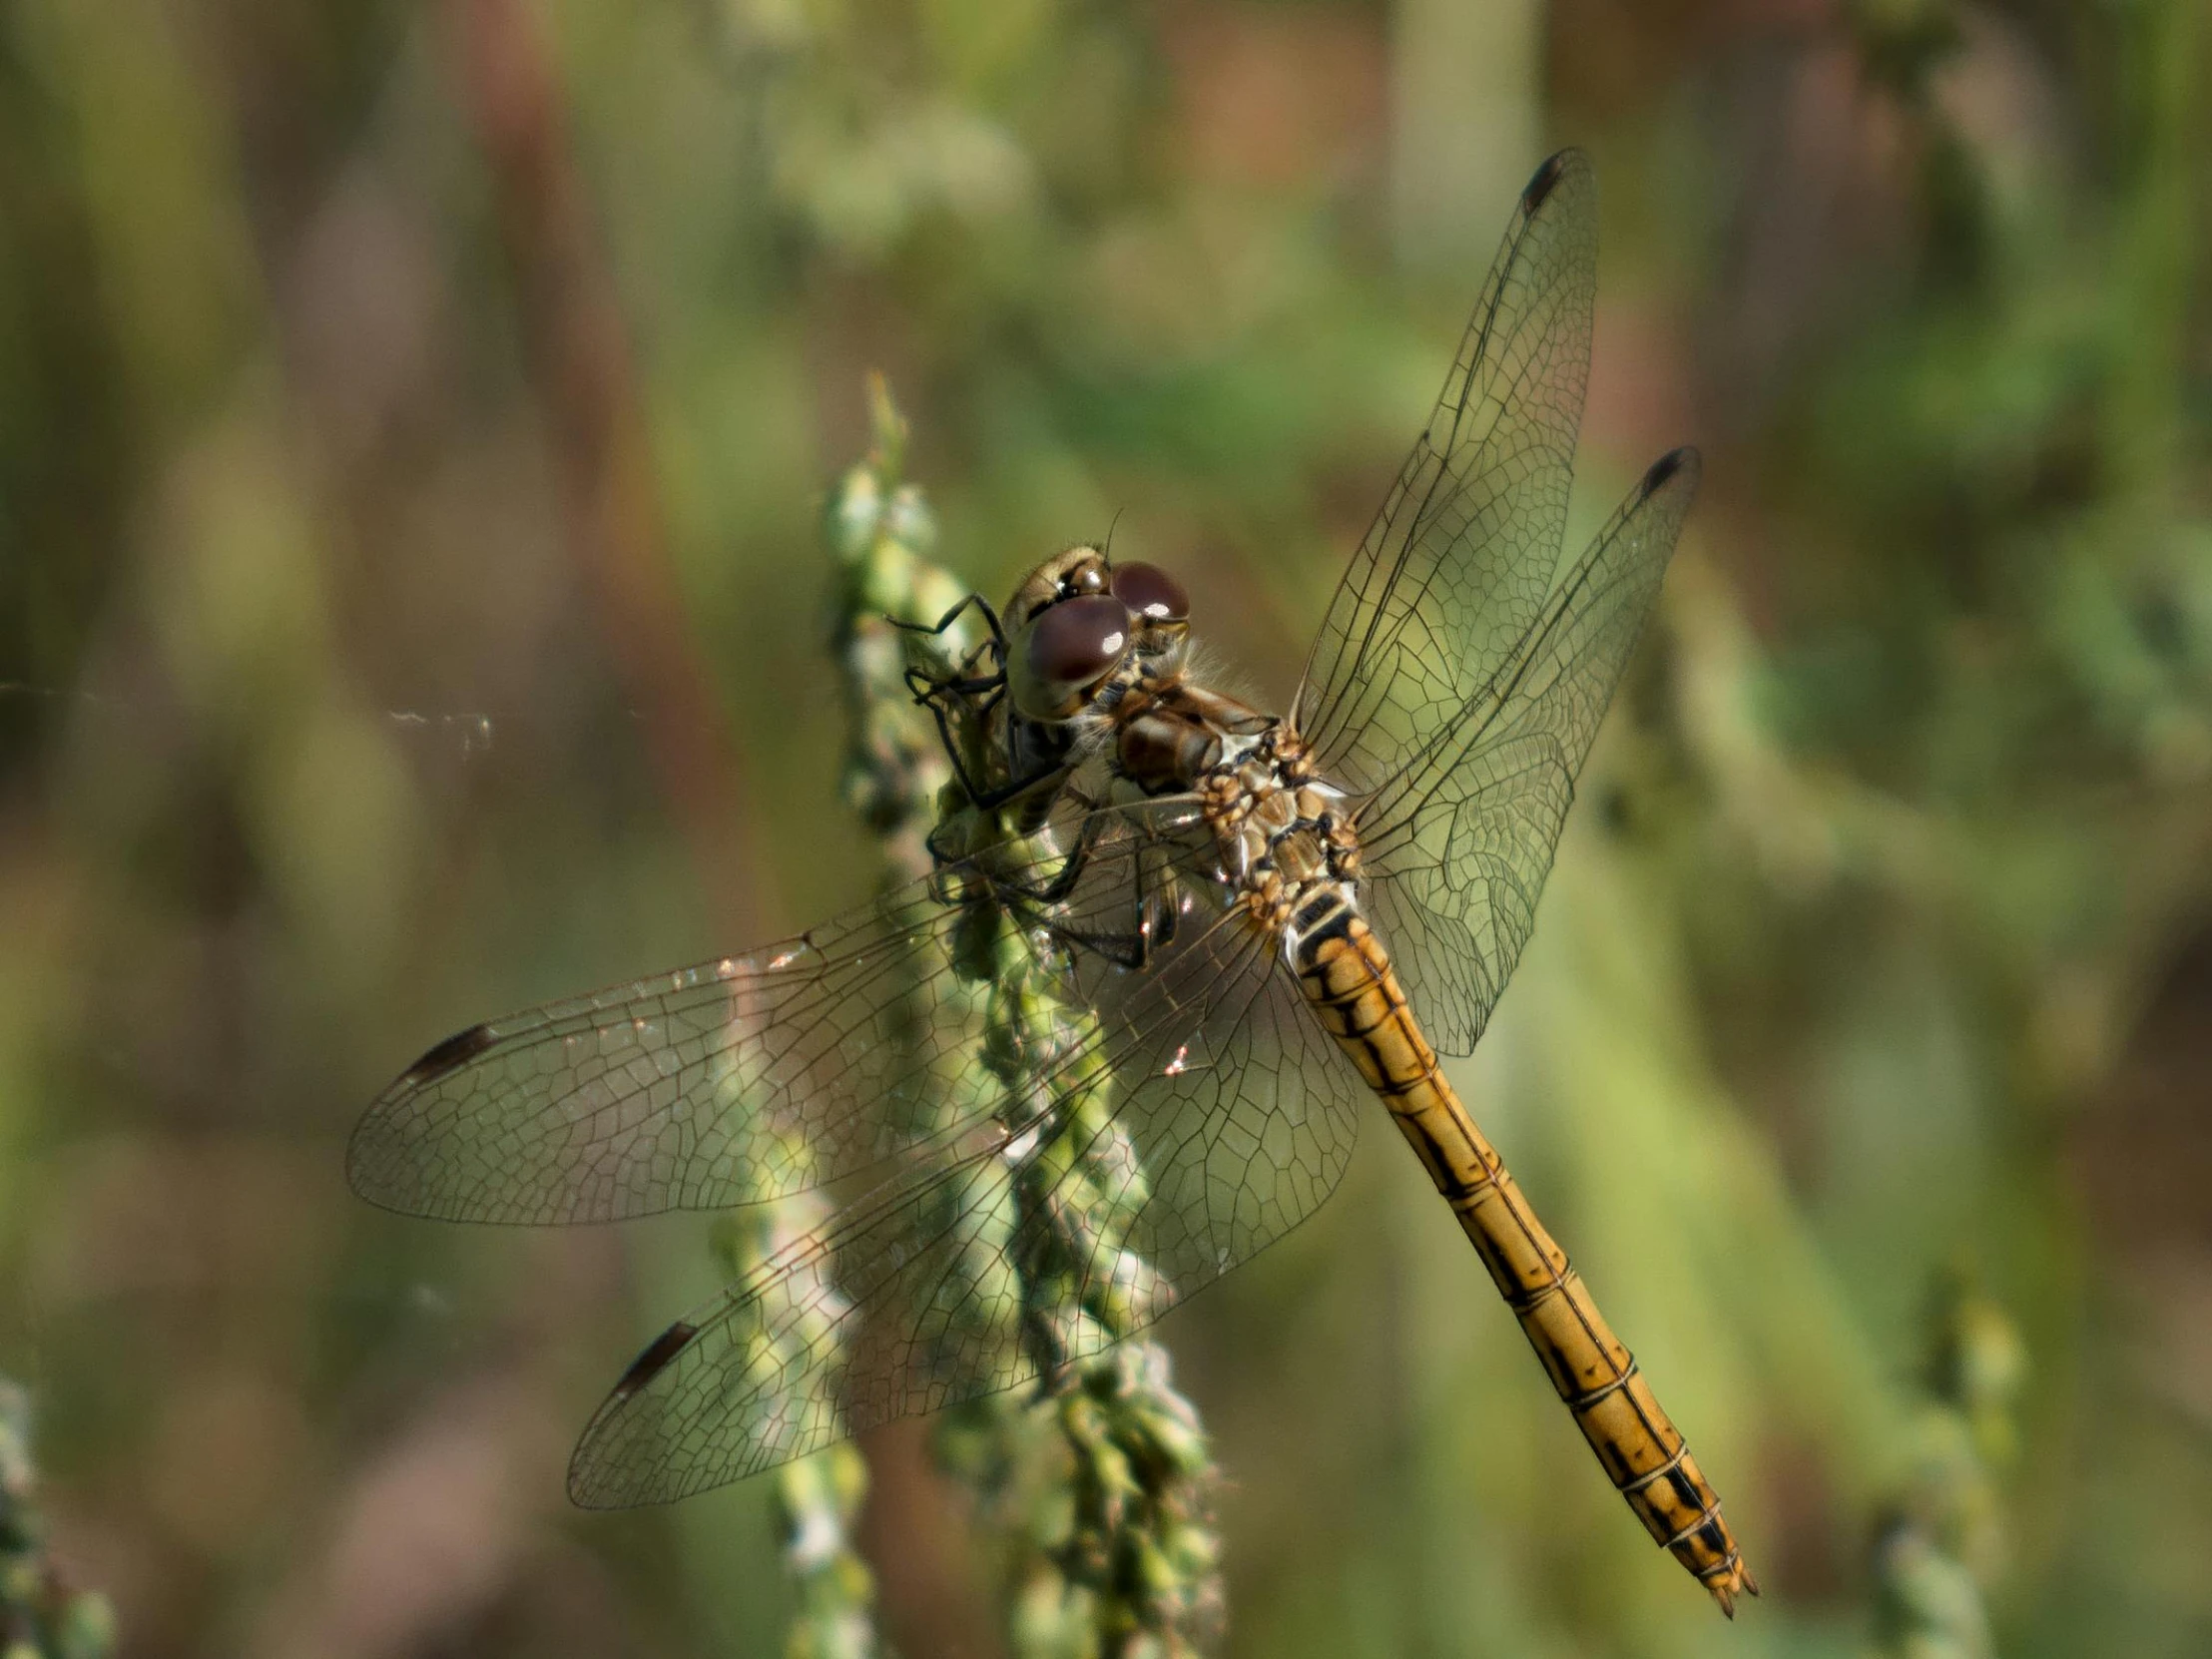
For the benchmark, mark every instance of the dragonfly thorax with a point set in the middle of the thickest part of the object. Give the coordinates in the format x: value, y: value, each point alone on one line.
x: 1170, y: 733
x: 1285, y: 834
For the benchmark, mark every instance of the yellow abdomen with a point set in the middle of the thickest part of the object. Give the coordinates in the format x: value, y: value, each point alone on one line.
x: 1347, y: 975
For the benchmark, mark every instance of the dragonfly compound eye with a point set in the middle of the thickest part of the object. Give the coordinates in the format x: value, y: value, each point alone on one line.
x: 1076, y: 642
x: 1151, y: 593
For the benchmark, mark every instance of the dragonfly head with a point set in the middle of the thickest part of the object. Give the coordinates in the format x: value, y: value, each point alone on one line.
x: 1078, y: 621
x: 1082, y: 572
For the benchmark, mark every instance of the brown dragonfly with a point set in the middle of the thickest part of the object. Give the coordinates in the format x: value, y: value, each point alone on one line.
x: 1219, y: 922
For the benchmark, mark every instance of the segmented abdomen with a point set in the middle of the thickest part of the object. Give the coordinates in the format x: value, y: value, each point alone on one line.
x: 1347, y: 975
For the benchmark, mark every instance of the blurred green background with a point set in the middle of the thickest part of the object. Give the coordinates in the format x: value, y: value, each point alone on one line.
x: 414, y: 421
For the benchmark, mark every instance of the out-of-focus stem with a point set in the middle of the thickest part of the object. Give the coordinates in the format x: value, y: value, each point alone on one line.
x: 580, y: 354
x: 1941, y: 1543
x: 42, y: 1616
x: 881, y: 534
x: 878, y: 531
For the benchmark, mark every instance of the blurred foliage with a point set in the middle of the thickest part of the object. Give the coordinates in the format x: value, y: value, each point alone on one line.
x: 414, y: 421
x: 1942, y: 1541
x: 41, y: 1616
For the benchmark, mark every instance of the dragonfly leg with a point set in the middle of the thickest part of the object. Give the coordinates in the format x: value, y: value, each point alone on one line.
x: 974, y: 694
x: 970, y: 700
x: 1056, y: 888
x: 929, y: 694
x: 1152, y: 910
x: 979, y: 696
x: 945, y: 623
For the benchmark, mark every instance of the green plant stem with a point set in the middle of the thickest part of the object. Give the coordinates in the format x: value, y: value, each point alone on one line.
x: 891, y: 775
x: 1095, y: 1483
x: 819, y: 1497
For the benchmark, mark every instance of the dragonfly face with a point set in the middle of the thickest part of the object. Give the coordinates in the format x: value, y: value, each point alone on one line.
x: 1078, y: 633
x: 1081, y: 631
x: 1222, y: 936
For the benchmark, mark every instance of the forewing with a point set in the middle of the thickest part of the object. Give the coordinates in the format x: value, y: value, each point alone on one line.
x: 1458, y: 563
x: 1458, y: 843
x: 737, y: 1081
x: 1229, y: 1120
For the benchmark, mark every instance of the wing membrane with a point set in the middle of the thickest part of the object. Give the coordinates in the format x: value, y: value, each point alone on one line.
x: 1228, y: 1124
x: 735, y: 1081
x: 1457, y: 564
x: 1459, y: 842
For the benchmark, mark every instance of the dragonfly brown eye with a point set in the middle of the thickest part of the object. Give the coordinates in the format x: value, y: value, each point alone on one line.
x: 1077, y: 641
x: 1151, y: 591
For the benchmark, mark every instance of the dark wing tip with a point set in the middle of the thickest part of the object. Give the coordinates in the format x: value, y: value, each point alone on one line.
x: 1547, y: 177
x: 656, y: 1357
x: 455, y: 1051
x: 1673, y: 464
x: 380, y: 1162
x: 598, y: 1480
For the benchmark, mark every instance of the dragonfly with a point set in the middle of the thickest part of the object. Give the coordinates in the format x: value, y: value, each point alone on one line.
x: 1250, y: 929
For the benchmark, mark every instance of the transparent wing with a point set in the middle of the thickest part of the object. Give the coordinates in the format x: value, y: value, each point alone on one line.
x: 1456, y: 565
x: 737, y: 1082
x: 1458, y: 843
x: 1230, y: 1120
